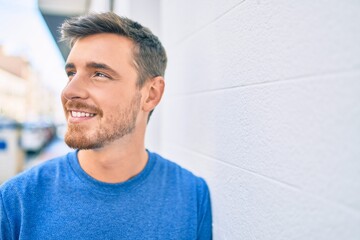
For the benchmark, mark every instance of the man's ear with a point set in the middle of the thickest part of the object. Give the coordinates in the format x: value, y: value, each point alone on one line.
x: 154, y: 91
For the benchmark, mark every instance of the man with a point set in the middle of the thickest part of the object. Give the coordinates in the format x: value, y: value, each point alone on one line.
x: 110, y: 187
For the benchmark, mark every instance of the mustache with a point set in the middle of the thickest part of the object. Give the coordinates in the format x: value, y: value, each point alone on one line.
x: 71, y: 104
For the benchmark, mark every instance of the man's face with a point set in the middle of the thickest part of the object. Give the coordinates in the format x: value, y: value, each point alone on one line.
x: 101, y: 100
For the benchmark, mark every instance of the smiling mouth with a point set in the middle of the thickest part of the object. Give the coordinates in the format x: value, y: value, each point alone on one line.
x: 78, y: 114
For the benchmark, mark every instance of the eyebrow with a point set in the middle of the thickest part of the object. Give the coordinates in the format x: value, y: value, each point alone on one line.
x: 93, y: 65
x: 69, y: 65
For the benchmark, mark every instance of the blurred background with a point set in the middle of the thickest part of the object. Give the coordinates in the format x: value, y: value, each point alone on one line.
x: 262, y: 100
x: 31, y: 79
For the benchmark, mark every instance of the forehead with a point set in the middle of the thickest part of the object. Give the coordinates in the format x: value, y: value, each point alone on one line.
x: 104, y: 47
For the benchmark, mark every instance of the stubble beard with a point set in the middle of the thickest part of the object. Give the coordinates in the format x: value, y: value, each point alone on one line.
x: 109, y: 129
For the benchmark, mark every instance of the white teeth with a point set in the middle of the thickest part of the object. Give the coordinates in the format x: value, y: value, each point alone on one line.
x: 81, y: 114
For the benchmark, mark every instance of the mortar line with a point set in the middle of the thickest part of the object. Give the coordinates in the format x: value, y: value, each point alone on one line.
x: 350, y: 210
x: 192, y: 33
x: 272, y: 82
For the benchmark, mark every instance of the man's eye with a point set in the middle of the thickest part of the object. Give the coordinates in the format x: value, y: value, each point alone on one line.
x: 99, y: 74
x: 70, y: 73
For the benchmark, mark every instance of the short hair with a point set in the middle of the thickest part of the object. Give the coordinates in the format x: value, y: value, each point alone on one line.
x: 149, y: 54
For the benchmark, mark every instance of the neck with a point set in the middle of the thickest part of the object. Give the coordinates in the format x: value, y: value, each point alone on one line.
x: 116, y: 162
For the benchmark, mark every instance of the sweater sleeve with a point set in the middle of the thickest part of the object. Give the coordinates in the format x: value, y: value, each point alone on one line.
x: 204, y: 212
x: 5, y: 232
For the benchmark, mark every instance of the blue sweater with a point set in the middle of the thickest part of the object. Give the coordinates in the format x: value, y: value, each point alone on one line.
x: 58, y: 200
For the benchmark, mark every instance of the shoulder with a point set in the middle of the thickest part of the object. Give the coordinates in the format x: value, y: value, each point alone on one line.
x: 174, y: 173
x: 168, y: 167
x: 188, y: 188
x: 35, y: 177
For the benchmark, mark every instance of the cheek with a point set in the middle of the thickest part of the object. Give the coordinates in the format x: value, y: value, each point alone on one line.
x: 110, y: 107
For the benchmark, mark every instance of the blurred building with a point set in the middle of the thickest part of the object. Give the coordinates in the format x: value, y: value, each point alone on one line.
x: 13, y: 83
x: 23, y: 97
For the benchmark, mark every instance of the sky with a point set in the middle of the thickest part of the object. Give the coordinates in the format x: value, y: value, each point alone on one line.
x: 23, y: 32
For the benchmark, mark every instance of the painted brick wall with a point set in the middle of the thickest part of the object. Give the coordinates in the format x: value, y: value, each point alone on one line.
x: 263, y: 101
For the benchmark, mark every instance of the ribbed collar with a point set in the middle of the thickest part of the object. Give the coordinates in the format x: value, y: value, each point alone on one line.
x: 110, y: 188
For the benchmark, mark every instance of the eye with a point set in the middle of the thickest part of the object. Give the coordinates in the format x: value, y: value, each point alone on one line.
x: 70, y: 74
x: 100, y: 74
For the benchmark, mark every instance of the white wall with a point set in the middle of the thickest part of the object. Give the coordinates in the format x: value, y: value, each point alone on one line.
x: 263, y: 101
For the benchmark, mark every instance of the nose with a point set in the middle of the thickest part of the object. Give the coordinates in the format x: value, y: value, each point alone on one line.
x: 75, y: 88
